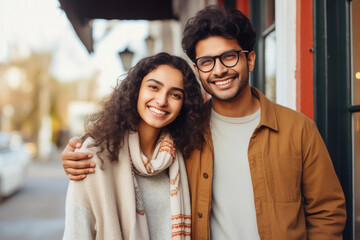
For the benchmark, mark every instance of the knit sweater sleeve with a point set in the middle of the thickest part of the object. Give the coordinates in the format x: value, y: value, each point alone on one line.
x: 79, y: 221
x: 79, y: 217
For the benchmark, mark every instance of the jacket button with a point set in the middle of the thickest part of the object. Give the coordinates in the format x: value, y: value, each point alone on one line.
x: 199, y: 214
x: 205, y: 175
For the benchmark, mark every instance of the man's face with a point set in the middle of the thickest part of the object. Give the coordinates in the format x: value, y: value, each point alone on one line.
x: 224, y: 83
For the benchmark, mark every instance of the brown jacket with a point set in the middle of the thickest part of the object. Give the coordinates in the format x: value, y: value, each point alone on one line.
x: 297, y: 193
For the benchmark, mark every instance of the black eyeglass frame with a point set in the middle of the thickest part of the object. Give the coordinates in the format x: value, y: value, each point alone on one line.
x: 219, y: 56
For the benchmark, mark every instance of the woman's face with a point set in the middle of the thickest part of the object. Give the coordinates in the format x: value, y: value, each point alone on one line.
x: 161, y: 96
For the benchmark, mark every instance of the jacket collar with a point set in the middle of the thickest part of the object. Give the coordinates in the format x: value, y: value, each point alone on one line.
x: 207, y: 132
x: 268, y: 115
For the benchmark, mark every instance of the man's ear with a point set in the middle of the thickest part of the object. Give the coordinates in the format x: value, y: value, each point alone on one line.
x: 196, y: 70
x: 251, y: 60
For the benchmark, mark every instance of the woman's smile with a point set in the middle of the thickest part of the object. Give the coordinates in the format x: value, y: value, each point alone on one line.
x: 157, y: 111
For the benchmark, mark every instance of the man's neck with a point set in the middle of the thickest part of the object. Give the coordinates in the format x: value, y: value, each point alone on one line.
x: 243, y: 105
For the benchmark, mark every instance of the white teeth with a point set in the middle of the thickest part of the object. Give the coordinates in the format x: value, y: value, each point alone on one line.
x: 223, y: 82
x: 155, y: 110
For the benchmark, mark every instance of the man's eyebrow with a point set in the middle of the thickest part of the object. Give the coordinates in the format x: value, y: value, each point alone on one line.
x: 160, y: 83
x: 233, y: 49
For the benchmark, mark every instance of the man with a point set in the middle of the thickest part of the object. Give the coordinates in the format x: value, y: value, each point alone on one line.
x: 263, y: 171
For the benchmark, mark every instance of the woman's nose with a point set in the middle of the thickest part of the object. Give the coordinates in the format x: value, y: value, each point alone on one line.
x: 161, y: 99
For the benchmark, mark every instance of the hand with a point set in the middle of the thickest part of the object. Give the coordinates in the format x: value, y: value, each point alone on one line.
x: 76, y: 164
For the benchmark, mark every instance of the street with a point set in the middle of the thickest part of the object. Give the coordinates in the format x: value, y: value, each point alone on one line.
x: 37, y: 210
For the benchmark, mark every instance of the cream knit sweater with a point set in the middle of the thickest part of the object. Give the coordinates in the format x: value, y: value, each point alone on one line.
x: 95, y: 209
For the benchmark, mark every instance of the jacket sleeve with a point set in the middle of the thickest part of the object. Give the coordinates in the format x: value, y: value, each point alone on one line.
x: 324, y: 200
x: 79, y: 221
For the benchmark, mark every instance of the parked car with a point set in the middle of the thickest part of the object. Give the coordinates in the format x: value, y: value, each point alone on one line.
x: 14, y: 162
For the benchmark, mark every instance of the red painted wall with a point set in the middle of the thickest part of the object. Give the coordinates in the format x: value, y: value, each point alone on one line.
x: 243, y: 6
x: 304, y: 58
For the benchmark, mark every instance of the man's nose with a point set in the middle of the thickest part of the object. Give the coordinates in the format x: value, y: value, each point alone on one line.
x: 219, y: 68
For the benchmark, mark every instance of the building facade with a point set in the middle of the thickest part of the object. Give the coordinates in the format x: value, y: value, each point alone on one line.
x: 308, y: 58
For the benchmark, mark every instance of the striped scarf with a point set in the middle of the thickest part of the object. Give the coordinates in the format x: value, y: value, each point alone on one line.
x: 164, y: 157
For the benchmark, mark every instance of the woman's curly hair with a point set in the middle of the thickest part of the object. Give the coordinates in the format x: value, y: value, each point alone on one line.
x: 119, y: 114
x: 217, y: 21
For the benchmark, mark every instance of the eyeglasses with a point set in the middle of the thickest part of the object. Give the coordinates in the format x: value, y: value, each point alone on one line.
x: 228, y: 59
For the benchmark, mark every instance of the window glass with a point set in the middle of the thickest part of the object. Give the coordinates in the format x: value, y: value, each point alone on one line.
x: 356, y: 150
x: 270, y: 66
x: 270, y: 13
x: 355, y: 8
x: 356, y: 51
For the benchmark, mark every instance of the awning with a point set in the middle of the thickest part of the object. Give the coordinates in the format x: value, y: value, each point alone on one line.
x: 80, y: 12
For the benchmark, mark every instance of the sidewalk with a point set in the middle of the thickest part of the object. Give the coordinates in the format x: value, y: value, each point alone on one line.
x: 37, y: 210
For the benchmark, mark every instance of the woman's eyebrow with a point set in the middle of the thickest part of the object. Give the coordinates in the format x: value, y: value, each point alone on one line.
x: 160, y: 83
x: 155, y: 81
x: 179, y: 89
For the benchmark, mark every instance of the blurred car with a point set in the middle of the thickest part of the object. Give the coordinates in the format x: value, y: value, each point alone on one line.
x: 14, y: 163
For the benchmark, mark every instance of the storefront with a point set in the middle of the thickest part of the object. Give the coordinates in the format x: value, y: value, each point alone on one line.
x: 308, y: 58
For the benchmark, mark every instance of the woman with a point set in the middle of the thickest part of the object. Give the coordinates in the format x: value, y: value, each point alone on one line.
x: 139, y: 138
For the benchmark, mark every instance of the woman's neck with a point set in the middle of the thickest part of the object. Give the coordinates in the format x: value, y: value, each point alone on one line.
x: 148, y: 137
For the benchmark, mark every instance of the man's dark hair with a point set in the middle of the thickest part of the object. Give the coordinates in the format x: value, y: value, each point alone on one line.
x: 217, y: 21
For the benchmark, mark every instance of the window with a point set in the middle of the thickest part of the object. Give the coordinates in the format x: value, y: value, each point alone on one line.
x: 263, y: 19
x: 270, y: 66
x: 355, y: 108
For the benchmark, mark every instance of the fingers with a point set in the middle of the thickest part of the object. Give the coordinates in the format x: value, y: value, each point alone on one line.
x: 76, y: 164
x: 76, y: 178
x: 72, y: 145
x: 75, y: 142
x: 79, y: 172
x: 70, y: 155
x: 68, y: 165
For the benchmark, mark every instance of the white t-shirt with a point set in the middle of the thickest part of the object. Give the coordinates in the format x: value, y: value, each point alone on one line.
x: 233, y: 213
